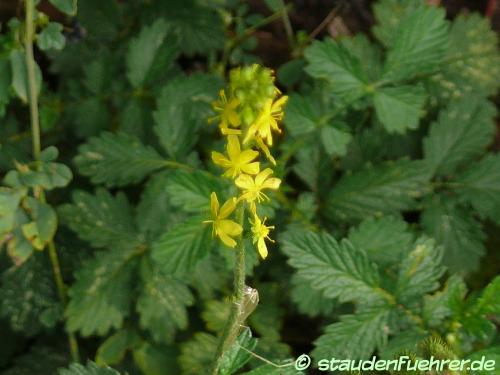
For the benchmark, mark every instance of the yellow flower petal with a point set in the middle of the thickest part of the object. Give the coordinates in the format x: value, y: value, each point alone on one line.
x: 251, y: 168
x: 261, y: 246
x: 228, y: 241
x: 233, y: 118
x: 244, y: 181
x: 262, y: 176
x: 214, y: 204
x: 272, y: 183
x: 220, y: 159
x: 230, y: 228
x: 227, y: 208
x: 228, y: 131
x: 233, y: 147
x: 247, y: 156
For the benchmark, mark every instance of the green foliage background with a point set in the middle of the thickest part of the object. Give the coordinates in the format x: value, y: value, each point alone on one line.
x: 386, y: 224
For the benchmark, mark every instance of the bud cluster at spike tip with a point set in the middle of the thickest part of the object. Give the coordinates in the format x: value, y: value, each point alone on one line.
x: 248, y: 113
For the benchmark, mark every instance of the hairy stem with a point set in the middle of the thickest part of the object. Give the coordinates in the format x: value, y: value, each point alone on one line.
x: 36, y: 141
x: 232, y: 325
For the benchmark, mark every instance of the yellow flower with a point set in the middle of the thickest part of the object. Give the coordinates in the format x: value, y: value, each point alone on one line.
x: 267, y: 121
x: 227, y: 113
x: 238, y: 161
x: 252, y: 188
x: 222, y: 227
x: 260, y: 234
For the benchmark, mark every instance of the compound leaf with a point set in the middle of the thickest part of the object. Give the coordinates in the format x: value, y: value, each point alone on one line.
x: 419, y: 273
x: 388, y: 188
x: 458, y: 232
x: 101, y: 295
x: 399, y: 108
x: 101, y: 219
x: 142, y: 51
x: 385, y: 240
x: 162, y: 303
x: 117, y: 159
x: 333, y: 62
x: 355, y: 336
x: 337, y: 269
x: 183, y: 246
x: 480, y: 185
x: 460, y: 134
x: 419, y: 44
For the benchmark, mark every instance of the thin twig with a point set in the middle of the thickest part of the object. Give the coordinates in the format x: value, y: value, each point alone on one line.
x: 330, y: 16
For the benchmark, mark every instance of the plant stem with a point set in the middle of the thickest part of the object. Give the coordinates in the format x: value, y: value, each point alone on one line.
x: 36, y: 140
x: 287, y: 25
x: 232, y: 325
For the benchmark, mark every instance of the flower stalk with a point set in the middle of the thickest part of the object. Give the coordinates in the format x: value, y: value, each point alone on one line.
x: 247, y: 115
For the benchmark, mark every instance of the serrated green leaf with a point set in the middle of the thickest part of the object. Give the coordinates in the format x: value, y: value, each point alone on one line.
x: 339, y: 270
x: 89, y: 369
x: 155, y: 213
x: 26, y: 293
x: 309, y: 301
x: 333, y: 62
x: 489, y: 303
x: 155, y: 359
x: 302, y: 115
x: 51, y: 37
x: 41, y: 230
x: 215, y: 315
x: 419, y: 273
x: 142, y: 51
x: 406, y: 341
x: 117, y: 159
x: 183, y: 246
x: 458, y: 232
x: 113, y: 350
x: 182, y: 108
x: 20, y: 76
x: 236, y: 356
x: 385, y: 240
x: 162, y: 303
x: 37, y: 360
x: 335, y: 141
x: 91, y: 116
x: 199, y: 34
x: 354, y: 337
x: 387, y: 188
x: 437, y: 307
x: 101, y: 219
x: 66, y: 6
x: 191, y: 191
x: 100, y: 298
x: 389, y: 14
x: 460, y: 134
x: 399, y: 108
x: 419, y: 44
x: 472, y: 60
x: 197, y: 354
x: 480, y: 185
x: 368, y: 53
